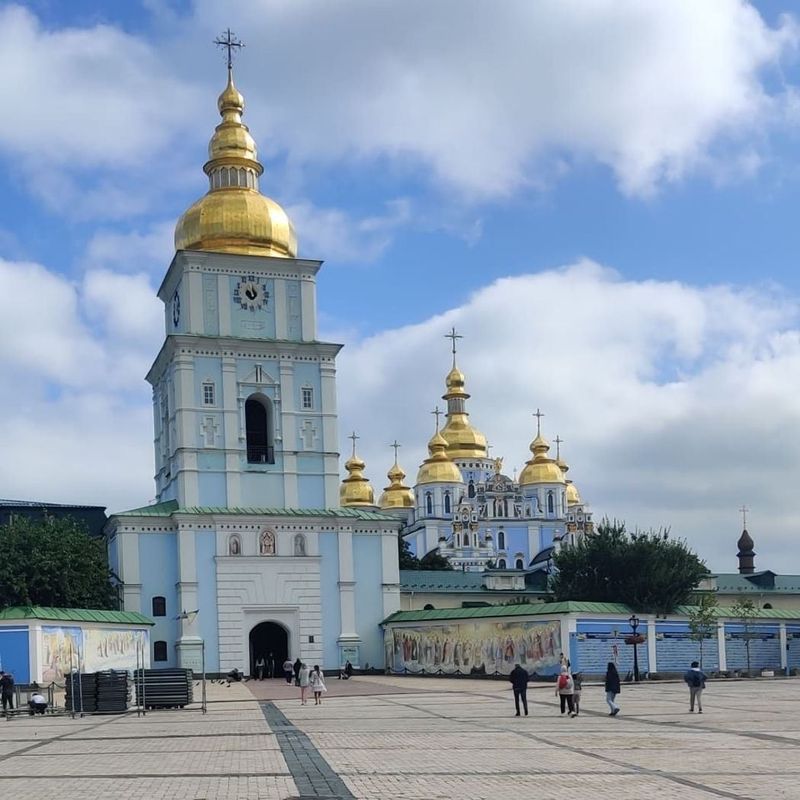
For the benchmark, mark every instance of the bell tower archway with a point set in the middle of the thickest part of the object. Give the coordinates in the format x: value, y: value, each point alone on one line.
x: 269, y: 640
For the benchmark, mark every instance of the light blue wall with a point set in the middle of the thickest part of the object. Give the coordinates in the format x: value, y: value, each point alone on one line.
x: 367, y: 560
x: 675, y: 649
x: 294, y: 310
x: 14, y: 652
x: 310, y: 491
x: 158, y: 558
x: 594, y: 647
x: 262, y: 486
x: 257, y: 324
x: 212, y: 488
x: 205, y: 550
x: 210, y: 304
x: 329, y: 597
x: 765, y: 650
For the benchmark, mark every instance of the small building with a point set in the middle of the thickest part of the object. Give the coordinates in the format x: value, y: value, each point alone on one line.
x: 43, y: 644
x: 92, y: 517
x: 491, y: 640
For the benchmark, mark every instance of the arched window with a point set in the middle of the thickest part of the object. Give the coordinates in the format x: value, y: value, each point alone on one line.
x: 501, y: 540
x: 226, y: 177
x: 234, y: 546
x: 550, y: 504
x: 299, y: 545
x: 428, y: 607
x: 519, y: 564
x: 428, y: 503
x: 501, y: 564
x: 159, y: 651
x: 447, y: 502
x: 159, y: 607
x: 258, y: 426
x: 266, y: 544
x: 767, y: 605
x: 471, y: 489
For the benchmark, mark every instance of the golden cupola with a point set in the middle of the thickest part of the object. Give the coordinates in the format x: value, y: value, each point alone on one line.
x: 396, y: 494
x: 463, y: 440
x: 234, y: 217
x: 438, y: 467
x: 356, y: 489
x: 541, y: 468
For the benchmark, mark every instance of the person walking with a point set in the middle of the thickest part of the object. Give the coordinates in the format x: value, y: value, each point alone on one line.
x: 296, y: 667
x: 302, y: 682
x: 565, y: 689
x: 271, y: 665
x: 7, y: 691
x: 519, y: 681
x: 696, y: 681
x: 612, y: 688
x: 260, y: 668
x: 577, y: 680
x: 317, y: 683
x: 288, y: 670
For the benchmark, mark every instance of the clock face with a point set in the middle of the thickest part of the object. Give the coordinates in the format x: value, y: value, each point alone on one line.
x: 250, y: 293
x: 176, y: 309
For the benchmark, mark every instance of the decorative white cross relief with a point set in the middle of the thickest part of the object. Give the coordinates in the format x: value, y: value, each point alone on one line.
x: 210, y: 429
x: 309, y: 433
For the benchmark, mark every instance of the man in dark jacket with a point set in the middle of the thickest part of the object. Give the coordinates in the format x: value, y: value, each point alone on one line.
x: 519, y: 681
x: 297, y: 665
x: 7, y: 690
x: 696, y: 681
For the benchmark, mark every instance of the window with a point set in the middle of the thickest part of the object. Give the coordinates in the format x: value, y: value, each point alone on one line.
x: 209, y: 395
x: 471, y: 489
x: 767, y: 605
x: 501, y: 564
x: 520, y: 564
x: 258, y: 426
x: 501, y: 540
x: 428, y: 607
x: 159, y: 651
x: 550, y: 504
x: 447, y: 502
x: 428, y: 503
x: 307, y: 398
x: 159, y: 607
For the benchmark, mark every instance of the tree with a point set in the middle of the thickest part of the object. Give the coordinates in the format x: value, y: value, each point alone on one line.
x: 703, y: 620
x: 647, y: 571
x: 435, y: 560
x: 432, y: 561
x: 745, y: 611
x: 405, y: 557
x: 53, y: 562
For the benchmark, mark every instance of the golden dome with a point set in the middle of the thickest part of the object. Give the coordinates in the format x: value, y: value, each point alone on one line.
x: 463, y: 440
x: 438, y: 467
x: 541, y: 468
x: 356, y: 489
x: 573, y: 496
x: 396, y: 494
x: 234, y: 217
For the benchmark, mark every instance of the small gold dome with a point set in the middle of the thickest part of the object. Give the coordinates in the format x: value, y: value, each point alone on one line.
x: 573, y: 496
x: 356, y: 489
x: 463, y: 440
x: 541, y: 468
x: 396, y: 494
x: 438, y: 468
x: 234, y: 217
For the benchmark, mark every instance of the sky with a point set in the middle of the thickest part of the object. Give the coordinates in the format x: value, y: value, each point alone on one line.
x: 601, y: 196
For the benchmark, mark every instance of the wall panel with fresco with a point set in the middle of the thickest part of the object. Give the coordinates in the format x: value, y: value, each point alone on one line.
x: 482, y: 647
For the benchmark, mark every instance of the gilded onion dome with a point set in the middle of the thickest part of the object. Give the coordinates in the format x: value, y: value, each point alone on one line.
x: 463, y: 440
x: 356, y: 489
x: 396, y: 494
x: 541, y: 468
x: 438, y: 467
x: 234, y: 217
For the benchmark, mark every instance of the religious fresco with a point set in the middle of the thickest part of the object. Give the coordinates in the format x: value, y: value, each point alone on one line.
x: 61, y: 649
x: 113, y: 649
x: 483, y: 647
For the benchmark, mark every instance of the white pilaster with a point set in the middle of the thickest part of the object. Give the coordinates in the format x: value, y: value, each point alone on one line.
x: 723, y: 656
x: 281, y: 323
x: 128, y: 559
x: 390, y: 573
x: 651, y: 646
x: 289, y: 427
x: 224, y: 304
x: 230, y: 405
x: 308, y: 300
x: 784, y: 645
x: 347, y: 586
x: 193, y: 281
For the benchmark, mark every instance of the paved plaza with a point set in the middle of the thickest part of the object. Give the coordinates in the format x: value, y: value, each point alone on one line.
x: 409, y: 739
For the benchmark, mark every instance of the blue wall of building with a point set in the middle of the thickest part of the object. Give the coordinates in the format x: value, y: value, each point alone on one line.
x: 367, y: 560
x: 205, y: 550
x: 675, y: 649
x: 329, y: 598
x: 765, y: 648
x: 15, y: 652
x: 595, y: 645
x: 158, y: 559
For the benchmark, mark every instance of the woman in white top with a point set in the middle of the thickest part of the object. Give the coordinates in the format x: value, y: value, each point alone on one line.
x: 303, y: 678
x: 318, y: 686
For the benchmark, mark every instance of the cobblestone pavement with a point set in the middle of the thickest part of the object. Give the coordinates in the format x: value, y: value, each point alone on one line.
x: 420, y: 739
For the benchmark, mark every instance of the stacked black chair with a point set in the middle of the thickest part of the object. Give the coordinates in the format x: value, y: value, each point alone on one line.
x: 81, y: 692
x: 163, y: 688
x: 113, y: 691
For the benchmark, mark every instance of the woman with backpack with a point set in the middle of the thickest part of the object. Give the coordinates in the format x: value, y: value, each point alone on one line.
x: 612, y: 688
x: 565, y: 689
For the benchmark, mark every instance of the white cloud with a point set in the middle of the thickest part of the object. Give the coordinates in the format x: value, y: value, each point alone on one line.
x: 676, y: 402
x: 150, y: 250
x: 491, y: 97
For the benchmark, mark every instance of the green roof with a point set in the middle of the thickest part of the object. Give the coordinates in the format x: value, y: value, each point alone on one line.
x: 170, y: 507
x: 437, y: 581
x: 75, y: 615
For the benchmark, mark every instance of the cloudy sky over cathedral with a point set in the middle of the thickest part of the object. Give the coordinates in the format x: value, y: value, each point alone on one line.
x: 600, y: 196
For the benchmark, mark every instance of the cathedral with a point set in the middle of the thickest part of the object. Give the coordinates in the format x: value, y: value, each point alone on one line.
x: 464, y: 507
x: 246, y: 552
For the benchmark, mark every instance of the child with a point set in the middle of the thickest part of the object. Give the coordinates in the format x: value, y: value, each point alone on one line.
x: 577, y: 680
x: 317, y: 682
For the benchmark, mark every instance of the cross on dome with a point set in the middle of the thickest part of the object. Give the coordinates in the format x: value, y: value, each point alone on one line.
x: 538, y: 416
x: 395, y: 445
x: 454, y: 337
x: 437, y: 414
x: 229, y: 43
x: 355, y: 438
x: 743, y: 511
x: 559, y: 441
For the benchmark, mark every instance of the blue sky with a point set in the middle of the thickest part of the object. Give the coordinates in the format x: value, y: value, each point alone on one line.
x: 525, y: 175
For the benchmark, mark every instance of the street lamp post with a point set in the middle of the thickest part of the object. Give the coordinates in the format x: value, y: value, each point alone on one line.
x: 634, y: 623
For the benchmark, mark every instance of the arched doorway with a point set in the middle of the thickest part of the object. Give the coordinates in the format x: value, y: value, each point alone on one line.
x: 266, y: 638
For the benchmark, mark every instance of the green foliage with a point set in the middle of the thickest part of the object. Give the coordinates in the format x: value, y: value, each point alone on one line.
x: 647, y: 571
x: 745, y: 612
x: 703, y: 620
x: 53, y: 563
x: 432, y: 561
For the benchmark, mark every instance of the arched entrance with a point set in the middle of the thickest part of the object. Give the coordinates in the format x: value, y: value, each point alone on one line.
x: 269, y: 638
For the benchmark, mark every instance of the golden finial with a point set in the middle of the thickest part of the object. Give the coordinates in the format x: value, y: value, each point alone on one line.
x: 355, y: 489
x: 229, y: 43
x: 538, y: 416
x: 355, y: 438
x: 454, y: 337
